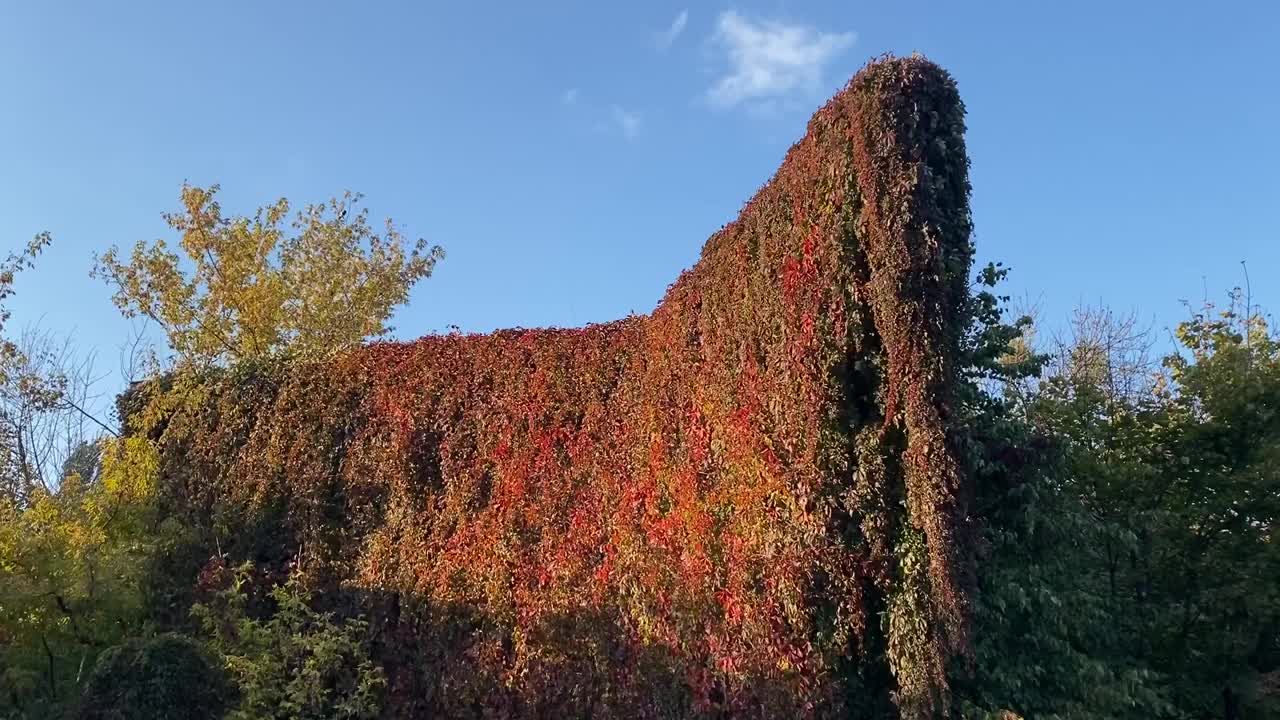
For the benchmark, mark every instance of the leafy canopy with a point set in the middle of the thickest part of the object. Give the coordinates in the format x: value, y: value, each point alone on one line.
x: 72, y: 566
x: 246, y: 287
x: 14, y: 263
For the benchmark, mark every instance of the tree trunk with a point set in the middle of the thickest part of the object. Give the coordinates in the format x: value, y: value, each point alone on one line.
x: 1230, y: 705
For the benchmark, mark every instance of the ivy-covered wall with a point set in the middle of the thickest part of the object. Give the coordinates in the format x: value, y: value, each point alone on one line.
x: 747, y: 502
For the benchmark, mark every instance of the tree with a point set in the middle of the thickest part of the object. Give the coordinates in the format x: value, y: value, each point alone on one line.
x: 1040, y: 634
x: 9, y: 269
x: 72, y: 565
x: 46, y: 394
x: 247, y: 287
x: 1169, y: 478
x: 1212, y: 563
x: 17, y: 475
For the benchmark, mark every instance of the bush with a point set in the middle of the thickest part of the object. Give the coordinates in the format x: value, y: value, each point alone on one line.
x: 167, y: 677
x: 296, y: 662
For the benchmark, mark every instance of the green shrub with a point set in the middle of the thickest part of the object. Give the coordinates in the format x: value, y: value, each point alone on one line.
x: 167, y: 677
x: 296, y: 662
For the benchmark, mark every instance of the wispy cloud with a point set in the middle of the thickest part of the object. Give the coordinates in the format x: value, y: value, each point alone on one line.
x: 612, y: 119
x: 667, y: 37
x: 628, y: 123
x: 769, y: 59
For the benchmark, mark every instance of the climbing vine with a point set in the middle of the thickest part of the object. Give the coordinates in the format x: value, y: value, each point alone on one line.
x: 700, y: 508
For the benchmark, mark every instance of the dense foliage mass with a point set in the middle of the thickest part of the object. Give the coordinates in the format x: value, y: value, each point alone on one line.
x: 166, y: 677
x: 704, y: 508
x: 822, y: 479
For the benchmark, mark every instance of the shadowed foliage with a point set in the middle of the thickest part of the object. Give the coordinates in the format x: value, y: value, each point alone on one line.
x: 168, y: 677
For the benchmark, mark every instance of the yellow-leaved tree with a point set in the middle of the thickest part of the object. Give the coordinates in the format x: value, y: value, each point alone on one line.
x: 248, y: 287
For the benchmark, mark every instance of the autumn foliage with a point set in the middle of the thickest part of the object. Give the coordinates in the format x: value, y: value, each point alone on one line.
x: 744, y: 502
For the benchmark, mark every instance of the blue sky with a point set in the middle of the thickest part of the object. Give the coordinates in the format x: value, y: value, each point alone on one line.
x: 573, y: 157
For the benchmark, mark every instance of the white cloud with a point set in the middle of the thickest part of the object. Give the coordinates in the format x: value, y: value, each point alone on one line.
x: 606, y: 119
x: 770, y: 58
x: 668, y: 36
x: 627, y: 122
